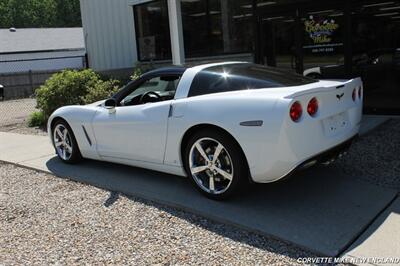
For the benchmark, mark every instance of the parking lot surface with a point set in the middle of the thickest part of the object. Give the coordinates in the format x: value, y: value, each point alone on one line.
x: 323, y: 210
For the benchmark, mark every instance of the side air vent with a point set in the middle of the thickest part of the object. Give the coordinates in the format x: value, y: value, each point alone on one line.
x: 87, y: 136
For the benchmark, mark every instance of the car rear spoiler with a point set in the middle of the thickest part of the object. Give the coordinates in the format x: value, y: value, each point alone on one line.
x: 327, y: 86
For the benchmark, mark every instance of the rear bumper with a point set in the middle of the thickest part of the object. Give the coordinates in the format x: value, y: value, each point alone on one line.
x: 327, y: 155
x: 323, y: 157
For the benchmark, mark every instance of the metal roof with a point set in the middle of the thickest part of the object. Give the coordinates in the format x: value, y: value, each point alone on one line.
x: 41, y: 39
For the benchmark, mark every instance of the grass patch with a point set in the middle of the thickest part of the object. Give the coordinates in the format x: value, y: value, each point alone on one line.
x: 37, y: 119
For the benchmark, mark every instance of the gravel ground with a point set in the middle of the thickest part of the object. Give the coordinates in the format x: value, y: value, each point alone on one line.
x: 14, y: 116
x: 48, y: 220
x: 375, y: 158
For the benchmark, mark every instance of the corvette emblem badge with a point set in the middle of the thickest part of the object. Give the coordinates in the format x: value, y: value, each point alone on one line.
x: 339, y: 96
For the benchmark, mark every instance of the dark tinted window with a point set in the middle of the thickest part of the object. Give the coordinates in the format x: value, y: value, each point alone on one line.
x: 214, y: 27
x: 375, y: 36
x: 152, y: 31
x: 234, y: 77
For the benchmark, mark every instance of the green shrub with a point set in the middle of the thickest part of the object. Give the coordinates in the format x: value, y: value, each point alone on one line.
x: 137, y: 72
x: 71, y: 87
x: 65, y: 88
x: 101, y: 90
x: 37, y: 119
x: 140, y: 69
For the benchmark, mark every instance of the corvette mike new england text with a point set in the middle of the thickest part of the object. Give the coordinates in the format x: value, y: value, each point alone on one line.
x: 351, y: 260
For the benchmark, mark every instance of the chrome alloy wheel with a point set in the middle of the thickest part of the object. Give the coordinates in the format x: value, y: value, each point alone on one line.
x: 211, y: 166
x: 62, y: 142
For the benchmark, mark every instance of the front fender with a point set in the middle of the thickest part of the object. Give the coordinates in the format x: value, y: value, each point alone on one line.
x: 79, y: 118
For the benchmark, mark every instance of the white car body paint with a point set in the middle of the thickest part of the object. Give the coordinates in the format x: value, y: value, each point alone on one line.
x: 150, y: 135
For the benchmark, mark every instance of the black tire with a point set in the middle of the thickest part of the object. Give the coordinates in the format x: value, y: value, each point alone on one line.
x: 75, y: 155
x: 235, y: 153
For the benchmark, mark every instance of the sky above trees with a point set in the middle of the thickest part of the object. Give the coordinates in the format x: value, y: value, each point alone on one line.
x: 39, y: 13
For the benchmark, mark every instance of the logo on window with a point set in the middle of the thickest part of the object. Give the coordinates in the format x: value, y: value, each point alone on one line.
x: 320, y: 30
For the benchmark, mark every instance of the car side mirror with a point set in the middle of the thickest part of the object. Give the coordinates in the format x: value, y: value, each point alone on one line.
x: 110, y: 105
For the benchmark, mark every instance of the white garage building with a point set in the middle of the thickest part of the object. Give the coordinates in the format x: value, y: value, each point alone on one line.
x: 29, y: 56
x: 41, y: 49
x: 121, y: 33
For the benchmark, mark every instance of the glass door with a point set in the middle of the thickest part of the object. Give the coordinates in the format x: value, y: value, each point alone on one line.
x: 278, y: 41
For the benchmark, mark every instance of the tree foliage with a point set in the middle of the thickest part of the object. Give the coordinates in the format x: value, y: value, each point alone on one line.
x: 39, y: 13
x: 68, y: 13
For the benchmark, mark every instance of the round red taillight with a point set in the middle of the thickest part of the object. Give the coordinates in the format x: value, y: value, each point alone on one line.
x: 296, y: 111
x: 312, y: 107
x: 360, y: 92
x: 354, y: 95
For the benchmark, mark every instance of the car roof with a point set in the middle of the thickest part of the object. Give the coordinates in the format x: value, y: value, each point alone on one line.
x: 169, y: 70
x: 180, y: 69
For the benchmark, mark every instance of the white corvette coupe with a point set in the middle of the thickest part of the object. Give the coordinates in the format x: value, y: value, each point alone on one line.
x: 221, y: 124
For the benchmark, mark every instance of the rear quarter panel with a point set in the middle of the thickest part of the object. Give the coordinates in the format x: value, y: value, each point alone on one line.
x: 279, y: 145
x: 227, y: 111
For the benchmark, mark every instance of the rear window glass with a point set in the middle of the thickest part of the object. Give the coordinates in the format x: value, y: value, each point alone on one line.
x: 235, y: 77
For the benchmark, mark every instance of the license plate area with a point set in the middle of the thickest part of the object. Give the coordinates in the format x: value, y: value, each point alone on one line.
x: 336, y: 124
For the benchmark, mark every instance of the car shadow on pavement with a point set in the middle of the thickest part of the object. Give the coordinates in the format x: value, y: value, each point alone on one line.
x: 321, y: 209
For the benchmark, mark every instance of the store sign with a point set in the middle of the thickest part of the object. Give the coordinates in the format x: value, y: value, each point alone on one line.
x: 321, y: 33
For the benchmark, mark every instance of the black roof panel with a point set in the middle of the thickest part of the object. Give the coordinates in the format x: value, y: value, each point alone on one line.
x: 167, y: 70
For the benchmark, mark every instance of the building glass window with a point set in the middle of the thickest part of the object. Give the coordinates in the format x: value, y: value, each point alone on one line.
x: 195, y: 27
x: 323, y: 40
x: 278, y: 40
x: 216, y: 27
x: 237, y: 29
x: 152, y: 31
x: 375, y: 35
